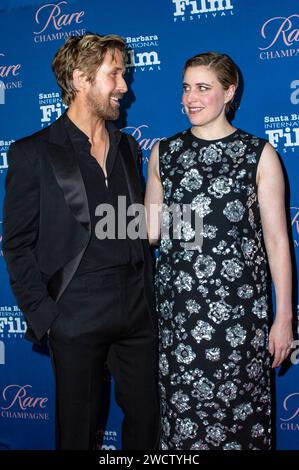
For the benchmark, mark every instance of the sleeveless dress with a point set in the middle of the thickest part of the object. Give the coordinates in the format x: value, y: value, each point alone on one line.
x: 212, y: 299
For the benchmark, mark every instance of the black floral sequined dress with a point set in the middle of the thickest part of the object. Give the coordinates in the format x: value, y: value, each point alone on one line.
x: 212, y: 301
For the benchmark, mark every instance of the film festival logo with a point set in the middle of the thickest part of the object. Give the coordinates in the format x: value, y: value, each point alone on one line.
x: 55, y: 21
x: 51, y: 107
x: 280, y: 37
x: 12, y: 323
x: 291, y: 409
x: 9, y: 77
x: 4, y: 146
x: 191, y: 10
x: 18, y: 402
x: 283, y: 130
x: 106, y: 440
x: 142, y: 53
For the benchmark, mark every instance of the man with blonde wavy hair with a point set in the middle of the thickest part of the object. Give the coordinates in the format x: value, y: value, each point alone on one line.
x: 92, y: 295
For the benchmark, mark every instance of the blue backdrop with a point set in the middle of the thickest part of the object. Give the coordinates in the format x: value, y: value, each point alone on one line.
x: 261, y: 36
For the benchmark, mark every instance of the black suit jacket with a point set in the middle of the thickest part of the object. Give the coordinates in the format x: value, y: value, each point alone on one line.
x: 46, y: 225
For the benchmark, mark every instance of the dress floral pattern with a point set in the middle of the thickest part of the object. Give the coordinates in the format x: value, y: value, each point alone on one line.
x: 212, y: 300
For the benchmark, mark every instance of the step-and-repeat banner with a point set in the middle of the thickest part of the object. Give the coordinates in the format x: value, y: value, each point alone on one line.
x: 262, y: 36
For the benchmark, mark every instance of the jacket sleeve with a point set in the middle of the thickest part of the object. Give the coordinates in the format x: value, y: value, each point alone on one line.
x: 20, y: 236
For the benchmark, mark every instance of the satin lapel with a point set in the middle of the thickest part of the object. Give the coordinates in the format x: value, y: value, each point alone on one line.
x: 70, y: 180
x: 67, y: 172
x: 131, y: 171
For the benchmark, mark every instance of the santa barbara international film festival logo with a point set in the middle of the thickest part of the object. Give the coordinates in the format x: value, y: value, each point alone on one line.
x: 4, y: 146
x: 20, y: 402
x: 9, y: 76
x: 142, y: 53
x: 12, y: 323
x: 51, y: 107
x: 190, y: 10
x: 12, y: 326
x: 106, y: 440
x: 55, y: 21
x: 280, y: 37
x: 282, y: 130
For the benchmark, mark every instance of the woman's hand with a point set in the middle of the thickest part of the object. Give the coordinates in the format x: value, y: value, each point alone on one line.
x: 280, y: 341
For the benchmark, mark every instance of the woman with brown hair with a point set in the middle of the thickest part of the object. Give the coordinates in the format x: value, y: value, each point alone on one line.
x: 215, y: 350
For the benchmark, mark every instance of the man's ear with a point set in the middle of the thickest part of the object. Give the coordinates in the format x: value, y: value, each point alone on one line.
x: 79, y: 80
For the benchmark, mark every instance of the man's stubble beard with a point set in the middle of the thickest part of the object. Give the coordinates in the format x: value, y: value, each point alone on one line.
x: 101, y: 110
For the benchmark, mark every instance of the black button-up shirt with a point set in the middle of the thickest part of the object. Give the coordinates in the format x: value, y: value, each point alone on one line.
x: 104, y: 253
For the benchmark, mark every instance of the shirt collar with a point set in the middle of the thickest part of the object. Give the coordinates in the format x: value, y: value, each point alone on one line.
x: 79, y: 138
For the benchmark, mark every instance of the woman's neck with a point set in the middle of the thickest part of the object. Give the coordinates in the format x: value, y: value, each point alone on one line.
x: 213, y: 132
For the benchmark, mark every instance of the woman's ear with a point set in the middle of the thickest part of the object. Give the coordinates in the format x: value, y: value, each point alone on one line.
x: 230, y: 93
